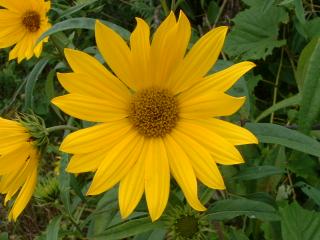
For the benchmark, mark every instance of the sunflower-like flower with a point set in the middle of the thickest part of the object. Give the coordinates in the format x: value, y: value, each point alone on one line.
x: 21, y: 24
x: 19, y: 159
x: 157, y: 114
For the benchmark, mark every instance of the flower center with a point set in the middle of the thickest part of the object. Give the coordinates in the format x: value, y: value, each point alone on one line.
x: 187, y: 226
x: 31, y: 21
x: 153, y: 112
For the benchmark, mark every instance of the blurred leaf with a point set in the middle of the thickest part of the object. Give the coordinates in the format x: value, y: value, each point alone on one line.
x: 299, y: 11
x: 213, y: 10
x: 312, y: 192
x: 312, y: 28
x: 4, y: 236
x: 236, y: 235
x: 82, y: 23
x: 250, y: 173
x: 53, y: 228
x: 157, y: 234
x: 31, y: 82
x: 308, y: 76
x: 231, y: 208
x: 128, y: 228
x: 76, y: 8
x: 294, y: 100
x: 299, y: 224
x: 276, y: 134
x: 247, y: 40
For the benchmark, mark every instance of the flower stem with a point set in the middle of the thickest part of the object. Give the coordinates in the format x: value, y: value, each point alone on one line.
x: 61, y: 127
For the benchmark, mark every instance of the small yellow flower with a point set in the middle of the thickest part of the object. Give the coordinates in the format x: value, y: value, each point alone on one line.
x: 18, y: 165
x: 157, y: 113
x: 21, y: 23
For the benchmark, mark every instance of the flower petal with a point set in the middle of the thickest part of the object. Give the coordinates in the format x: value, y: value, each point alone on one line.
x: 117, y: 163
x: 199, y: 60
x: 100, y: 137
x: 208, y: 105
x: 182, y: 171
x: 88, y: 162
x: 140, y: 51
x: 25, y: 193
x: 220, y: 81
x: 168, y: 49
x: 203, y: 164
x: 222, y: 151
x: 87, y: 85
x: 90, y: 108
x: 81, y: 62
x: 236, y: 135
x: 157, y: 178
x: 115, y: 52
x: 132, y: 185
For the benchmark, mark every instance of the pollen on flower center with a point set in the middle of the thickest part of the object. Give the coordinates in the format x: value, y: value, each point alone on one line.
x: 153, y: 112
x: 31, y: 20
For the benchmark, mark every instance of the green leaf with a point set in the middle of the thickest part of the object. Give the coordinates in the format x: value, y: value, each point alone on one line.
x: 4, y: 236
x: 308, y: 75
x: 255, y: 33
x: 53, y: 228
x: 294, y: 100
x: 312, y: 28
x: 276, y: 134
x: 312, y: 192
x: 129, y: 228
x: 250, y: 173
x: 299, y: 224
x: 299, y: 11
x: 76, y: 8
x: 82, y: 23
x: 31, y: 82
x: 231, y: 208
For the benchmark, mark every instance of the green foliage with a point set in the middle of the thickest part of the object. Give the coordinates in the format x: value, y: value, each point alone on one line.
x: 274, y: 195
x: 298, y: 223
x: 256, y: 31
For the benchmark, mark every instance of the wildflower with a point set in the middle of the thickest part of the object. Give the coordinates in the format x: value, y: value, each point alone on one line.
x: 157, y: 115
x: 19, y: 158
x: 21, y: 24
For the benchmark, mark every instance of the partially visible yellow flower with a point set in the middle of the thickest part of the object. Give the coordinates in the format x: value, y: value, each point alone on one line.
x: 19, y: 159
x: 157, y: 114
x: 21, y: 23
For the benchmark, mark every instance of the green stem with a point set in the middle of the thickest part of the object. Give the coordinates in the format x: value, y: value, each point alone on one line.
x: 275, y: 90
x: 165, y: 7
x: 61, y: 127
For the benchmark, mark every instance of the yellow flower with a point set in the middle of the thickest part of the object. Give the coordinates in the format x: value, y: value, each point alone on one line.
x: 21, y: 23
x: 158, y: 116
x: 18, y: 165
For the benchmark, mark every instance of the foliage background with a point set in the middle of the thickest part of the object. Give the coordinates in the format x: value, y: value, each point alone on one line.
x: 275, y: 195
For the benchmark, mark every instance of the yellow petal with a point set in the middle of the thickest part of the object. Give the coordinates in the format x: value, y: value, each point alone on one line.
x: 132, y: 185
x: 203, y: 164
x: 117, y: 163
x: 182, y: 171
x: 81, y: 62
x: 13, y: 5
x: 157, y: 177
x: 220, y: 81
x: 209, y: 105
x: 88, y: 162
x: 236, y: 135
x: 13, y: 160
x: 90, y: 108
x: 100, y: 137
x: 87, y: 85
x: 168, y: 52
x: 199, y: 60
x: 115, y: 52
x: 222, y: 151
x: 25, y: 195
x: 140, y: 51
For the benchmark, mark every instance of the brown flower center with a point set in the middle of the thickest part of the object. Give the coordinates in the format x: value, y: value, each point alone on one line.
x: 31, y: 20
x: 153, y: 112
